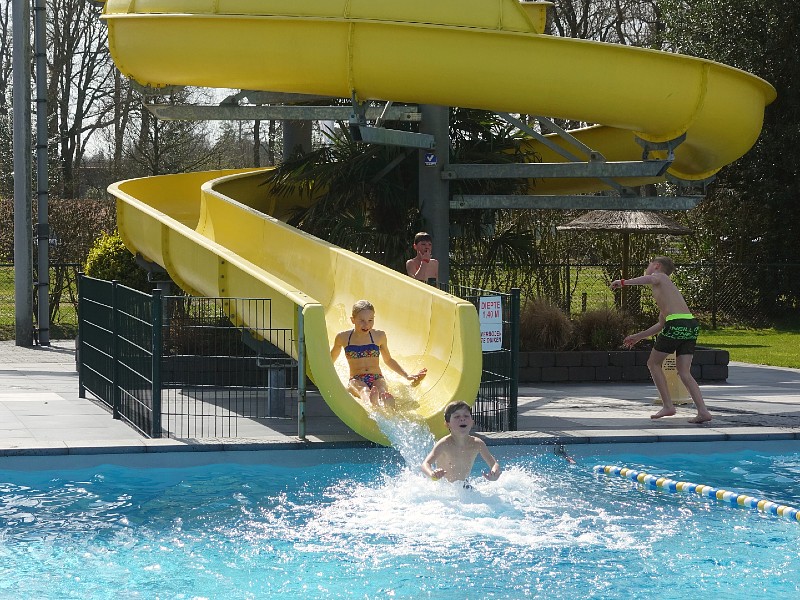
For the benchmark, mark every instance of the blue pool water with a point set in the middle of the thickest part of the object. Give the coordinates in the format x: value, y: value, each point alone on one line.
x: 362, y: 524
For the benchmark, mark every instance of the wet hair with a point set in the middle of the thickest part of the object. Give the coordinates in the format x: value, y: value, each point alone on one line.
x: 362, y: 305
x: 453, y: 407
x: 667, y: 266
x: 422, y: 237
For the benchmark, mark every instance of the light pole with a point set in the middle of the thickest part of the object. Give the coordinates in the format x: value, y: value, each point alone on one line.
x: 23, y: 255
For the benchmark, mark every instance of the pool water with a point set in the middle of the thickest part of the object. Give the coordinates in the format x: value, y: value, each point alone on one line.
x: 363, y: 524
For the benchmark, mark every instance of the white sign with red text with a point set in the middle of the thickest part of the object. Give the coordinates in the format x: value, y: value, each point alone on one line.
x: 490, y: 313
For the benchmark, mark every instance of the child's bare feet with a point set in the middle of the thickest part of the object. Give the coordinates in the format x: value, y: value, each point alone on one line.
x: 701, y: 418
x: 664, y: 412
x: 374, y: 397
x: 387, y: 400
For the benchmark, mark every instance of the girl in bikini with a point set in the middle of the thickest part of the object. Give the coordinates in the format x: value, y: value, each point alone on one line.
x: 363, y: 347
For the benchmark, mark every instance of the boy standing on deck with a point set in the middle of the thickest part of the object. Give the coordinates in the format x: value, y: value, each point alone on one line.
x: 455, y: 454
x: 422, y: 267
x: 679, y: 330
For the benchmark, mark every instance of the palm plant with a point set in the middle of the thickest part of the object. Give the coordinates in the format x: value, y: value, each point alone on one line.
x: 367, y: 201
x: 366, y: 196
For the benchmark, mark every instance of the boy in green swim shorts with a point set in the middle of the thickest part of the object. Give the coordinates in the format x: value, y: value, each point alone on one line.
x: 678, y: 333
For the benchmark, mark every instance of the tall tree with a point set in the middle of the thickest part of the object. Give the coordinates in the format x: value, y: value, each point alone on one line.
x: 6, y: 128
x: 81, y: 85
x: 630, y: 22
x: 163, y: 147
x: 752, y: 211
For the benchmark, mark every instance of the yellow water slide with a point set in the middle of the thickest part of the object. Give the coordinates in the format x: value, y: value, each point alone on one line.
x: 213, y: 233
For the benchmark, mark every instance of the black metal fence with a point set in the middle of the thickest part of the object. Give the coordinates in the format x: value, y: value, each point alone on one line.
x: 176, y: 366
x: 119, y: 352
x: 495, y: 407
x: 216, y: 376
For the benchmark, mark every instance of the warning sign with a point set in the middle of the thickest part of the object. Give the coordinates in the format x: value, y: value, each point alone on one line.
x: 490, y: 313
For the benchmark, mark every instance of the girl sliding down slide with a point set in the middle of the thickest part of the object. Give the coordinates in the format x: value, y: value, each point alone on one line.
x: 363, y: 347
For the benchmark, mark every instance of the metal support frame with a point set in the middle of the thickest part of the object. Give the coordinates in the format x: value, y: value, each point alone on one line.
x: 592, y: 155
x: 596, y: 169
x: 668, y: 146
x: 157, y: 309
x: 595, y: 166
x: 42, y: 184
x: 235, y: 112
x: 434, y: 191
x: 362, y: 132
x: 155, y: 272
x: 512, y: 201
x: 696, y: 186
x: 301, y: 374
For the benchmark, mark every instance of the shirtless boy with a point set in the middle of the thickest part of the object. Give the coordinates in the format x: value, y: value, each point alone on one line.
x: 454, y: 454
x: 679, y: 331
x: 363, y: 347
x: 422, y: 267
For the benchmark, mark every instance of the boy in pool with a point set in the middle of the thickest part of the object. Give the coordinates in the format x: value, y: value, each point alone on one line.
x: 679, y: 330
x: 455, y: 454
x: 363, y: 347
x: 422, y: 267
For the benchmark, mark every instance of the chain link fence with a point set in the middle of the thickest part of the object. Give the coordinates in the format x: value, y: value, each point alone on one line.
x: 719, y: 294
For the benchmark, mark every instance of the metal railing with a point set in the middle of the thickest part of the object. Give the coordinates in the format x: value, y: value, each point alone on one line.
x: 119, y: 351
x: 178, y: 366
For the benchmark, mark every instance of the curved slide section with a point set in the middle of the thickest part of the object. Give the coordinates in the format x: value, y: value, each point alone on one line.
x: 486, y: 54
x: 214, y: 234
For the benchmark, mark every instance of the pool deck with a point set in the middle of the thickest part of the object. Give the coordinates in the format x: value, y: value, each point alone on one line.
x: 42, y: 414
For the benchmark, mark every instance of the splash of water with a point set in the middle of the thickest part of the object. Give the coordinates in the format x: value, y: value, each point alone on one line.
x: 412, y: 438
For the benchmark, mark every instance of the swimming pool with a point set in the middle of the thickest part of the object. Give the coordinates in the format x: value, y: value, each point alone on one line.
x: 361, y: 524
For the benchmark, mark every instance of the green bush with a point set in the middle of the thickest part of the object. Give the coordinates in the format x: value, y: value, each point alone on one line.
x: 109, y: 259
x: 543, y: 326
x: 601, y: 329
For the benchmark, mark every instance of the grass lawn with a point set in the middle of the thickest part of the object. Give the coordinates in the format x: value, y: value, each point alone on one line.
x: 65, y: 326
x: 778, y: 348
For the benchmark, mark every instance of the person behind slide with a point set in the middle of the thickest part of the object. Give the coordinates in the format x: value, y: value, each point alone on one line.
x: 363, y: 347
x: 452, y: 456
x: 422, y: 267
x: 679, y: 330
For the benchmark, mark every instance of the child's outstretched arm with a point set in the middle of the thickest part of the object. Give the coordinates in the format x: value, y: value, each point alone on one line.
x: 427, y: 465
x: 634, y: 338
x: 395, y: 366
x: 494, y: 467
x: 641, y: 280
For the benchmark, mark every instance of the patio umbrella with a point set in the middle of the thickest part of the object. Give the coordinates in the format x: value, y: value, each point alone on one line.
x: 626, y: 222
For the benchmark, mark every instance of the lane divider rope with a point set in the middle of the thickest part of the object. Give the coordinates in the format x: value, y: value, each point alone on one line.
x: 706, y: 491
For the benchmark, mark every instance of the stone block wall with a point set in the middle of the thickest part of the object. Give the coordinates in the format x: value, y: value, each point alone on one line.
x: 708, y: 365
